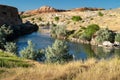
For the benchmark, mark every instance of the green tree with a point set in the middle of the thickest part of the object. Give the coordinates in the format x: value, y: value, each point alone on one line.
x: 57, y: 31
x: 57, y: 53
x: 104, y: 35
x: 11, y: 47
x: 29, y: 52
x: 89, y: 31
x: 4, y: 32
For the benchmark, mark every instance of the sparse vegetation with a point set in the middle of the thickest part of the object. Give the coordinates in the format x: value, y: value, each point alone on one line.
x: 100, y: 14
x: 40, y: 19
x: 25, y: 16
x: 56, y: 18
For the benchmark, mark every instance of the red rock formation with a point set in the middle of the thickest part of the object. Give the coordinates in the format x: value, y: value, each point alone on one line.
x: 9, y: 15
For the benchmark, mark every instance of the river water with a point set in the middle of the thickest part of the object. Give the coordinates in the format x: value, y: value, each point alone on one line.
x: 80, y: 51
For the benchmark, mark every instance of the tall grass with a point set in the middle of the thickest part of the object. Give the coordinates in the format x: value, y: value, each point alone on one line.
x: 88, y: 70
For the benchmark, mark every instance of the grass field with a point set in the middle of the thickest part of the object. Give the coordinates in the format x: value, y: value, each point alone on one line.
x: 14, y: 68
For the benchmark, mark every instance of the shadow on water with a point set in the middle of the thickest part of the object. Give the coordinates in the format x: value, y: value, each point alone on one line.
x: 79, y: 51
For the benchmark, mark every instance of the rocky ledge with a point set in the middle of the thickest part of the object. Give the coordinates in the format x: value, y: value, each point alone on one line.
x: 9, y: 16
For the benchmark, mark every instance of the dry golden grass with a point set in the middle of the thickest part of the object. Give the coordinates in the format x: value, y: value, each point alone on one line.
x: 88, y: 70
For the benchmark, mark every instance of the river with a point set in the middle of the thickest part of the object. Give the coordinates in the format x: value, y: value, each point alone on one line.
x: 80, y: 51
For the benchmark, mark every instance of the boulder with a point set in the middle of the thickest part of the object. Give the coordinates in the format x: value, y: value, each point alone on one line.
x: 9, y: 15
x: 107, y: 44
x: 116, y: 43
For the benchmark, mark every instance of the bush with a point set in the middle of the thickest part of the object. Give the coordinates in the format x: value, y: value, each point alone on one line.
x: 11, y: 47
x: 58, y: 52
x: 56, y: 18
x: 29, y: 52
x: 104, y: 35
x: 25, y: 16
x: 117, y: 37
x: 57, y: 31
x: 100, y: 14
x: 89, y: 31
x: 40, y: 19
x: 4, y: 32
x: 76, y: 18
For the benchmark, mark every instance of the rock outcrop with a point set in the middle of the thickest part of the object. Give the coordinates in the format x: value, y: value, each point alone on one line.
x: 9, y: 15
x: 48, y: 9
x: 43, y: 9
x: 87, y: 9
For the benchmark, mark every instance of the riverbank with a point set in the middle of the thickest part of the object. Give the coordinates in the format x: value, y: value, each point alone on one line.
x: 75, y: 70
x: 22, y: 29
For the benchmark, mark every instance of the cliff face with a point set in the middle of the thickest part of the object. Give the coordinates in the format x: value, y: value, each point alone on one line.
x: 9, y: 15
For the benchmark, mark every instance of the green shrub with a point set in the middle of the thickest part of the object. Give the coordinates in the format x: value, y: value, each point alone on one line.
x: 104, y: 35
x: 89, y: 31
x: 4, y: 32
x: 11, y: 47
x: 58, y: 52
x: 56, y: 18
x: 25, y: 16
x: 29, y: 52
x: 76, y: 18
x: 100, y: 14
x: 57, y: 31
x: 40, y: 19
x: 117, y: 37
x: 32, y: 19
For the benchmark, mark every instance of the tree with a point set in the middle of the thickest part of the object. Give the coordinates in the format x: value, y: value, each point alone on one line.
x: 29, y: 52
x: 57, y: 31
x: 117, y: 37
x: 11, y: 47
x: 89, y: 31
x: 57, y: 53
x: 4, y: 32
x: 104, y: 35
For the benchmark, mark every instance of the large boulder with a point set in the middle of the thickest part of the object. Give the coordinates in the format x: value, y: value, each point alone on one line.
x: 9, y: 15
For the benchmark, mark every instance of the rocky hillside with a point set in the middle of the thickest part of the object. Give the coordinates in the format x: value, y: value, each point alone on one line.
x: 48, y: 9
x: 43, y: 9
x: 87, y: 9
x: 9, y: 15
x: 104, y: 18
